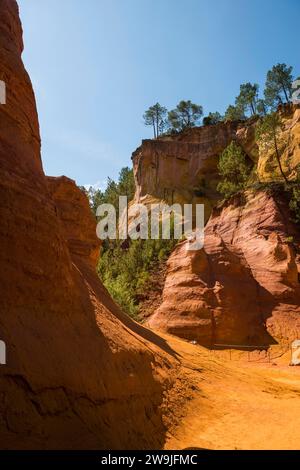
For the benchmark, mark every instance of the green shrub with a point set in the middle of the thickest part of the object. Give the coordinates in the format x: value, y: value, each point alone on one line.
x: 295, y: 204
x: 234, y: 170
x: 126, y: 272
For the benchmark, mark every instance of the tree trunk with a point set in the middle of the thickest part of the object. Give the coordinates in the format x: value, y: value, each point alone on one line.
x: 285, y: 94
x: 154, y: 129
x: 278, y: 159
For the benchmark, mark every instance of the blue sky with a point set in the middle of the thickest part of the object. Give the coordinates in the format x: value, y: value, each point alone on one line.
x: 96, y: 65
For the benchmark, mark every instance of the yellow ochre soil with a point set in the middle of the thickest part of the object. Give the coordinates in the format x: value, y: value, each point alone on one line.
x: 236, y: 404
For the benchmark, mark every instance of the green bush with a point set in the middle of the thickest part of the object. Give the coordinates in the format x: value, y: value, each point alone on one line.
x: 125, y: 266
x: 234, y: 170
x: 295, y: 204
x: 126, y: 272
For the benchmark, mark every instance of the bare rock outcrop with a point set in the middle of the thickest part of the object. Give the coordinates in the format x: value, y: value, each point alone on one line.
x: 79, y: 373
x: 183, y: 168
x: 243, y: 286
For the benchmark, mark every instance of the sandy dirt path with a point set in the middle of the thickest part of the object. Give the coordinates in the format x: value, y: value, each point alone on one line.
x: 237, y: 404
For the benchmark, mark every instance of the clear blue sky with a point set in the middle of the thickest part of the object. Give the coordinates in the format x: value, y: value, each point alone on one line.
x: 96, y: 65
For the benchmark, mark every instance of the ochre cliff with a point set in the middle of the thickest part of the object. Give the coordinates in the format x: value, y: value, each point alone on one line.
x: 79, y: 373
x: 183, y: 168
x: 289, y: 146
x: 243, y: 286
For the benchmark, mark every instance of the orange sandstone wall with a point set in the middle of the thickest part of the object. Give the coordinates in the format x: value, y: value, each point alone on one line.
x: 243, y: 286
x: 79, y: 373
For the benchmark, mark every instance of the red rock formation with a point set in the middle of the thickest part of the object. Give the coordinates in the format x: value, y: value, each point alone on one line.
x: 79, y: 373
x: 77, y: 220
x: 243, y: 286
x: 184, y: 168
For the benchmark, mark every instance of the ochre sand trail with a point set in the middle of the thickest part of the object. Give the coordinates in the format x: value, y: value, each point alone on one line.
x: 237, y: 404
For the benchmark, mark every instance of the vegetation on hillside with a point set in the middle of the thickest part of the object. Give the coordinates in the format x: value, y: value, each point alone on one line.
x: 234, y: 170
x: 126, y: 270
x: 269, y: 135
x: 125, y: 266
x: 236, y: 173
x: 125, y: 186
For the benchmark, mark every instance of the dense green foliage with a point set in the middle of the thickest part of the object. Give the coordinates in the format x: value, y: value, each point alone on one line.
x: 125, y: 266
x: 278, y: 90
x: 248, y: 97
x: 294, y: 188
x: 234, y: 113
x: 278, y: 85
x: 261, y: 107
x: 185, y: 115
x: 295, y: 203
x: 126, y: 271
x: 212, y: 118
x: 234, y: 170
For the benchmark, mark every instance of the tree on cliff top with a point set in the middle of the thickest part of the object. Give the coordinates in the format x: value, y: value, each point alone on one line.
x: 278, y: 88
x: 185, y: 115
x: 234, y: 113
x: 247, y: 99
x: 155, y: 116
x: 262, y: 107
x: 233, y: 169
x: 269, y: 134
x: 212, y: 118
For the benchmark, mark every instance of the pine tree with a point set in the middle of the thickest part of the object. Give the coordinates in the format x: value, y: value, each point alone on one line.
x: 185, y: 115
x: 233, y: 169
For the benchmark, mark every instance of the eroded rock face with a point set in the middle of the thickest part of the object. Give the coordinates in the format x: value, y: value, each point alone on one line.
x: 289, y: 145
x: 79, y: 373
x: 184, y: 168
x: 243, y: 286
x: 77, y: 220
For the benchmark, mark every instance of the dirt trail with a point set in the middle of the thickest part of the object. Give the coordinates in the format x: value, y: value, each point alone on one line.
x: 237, y: 404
